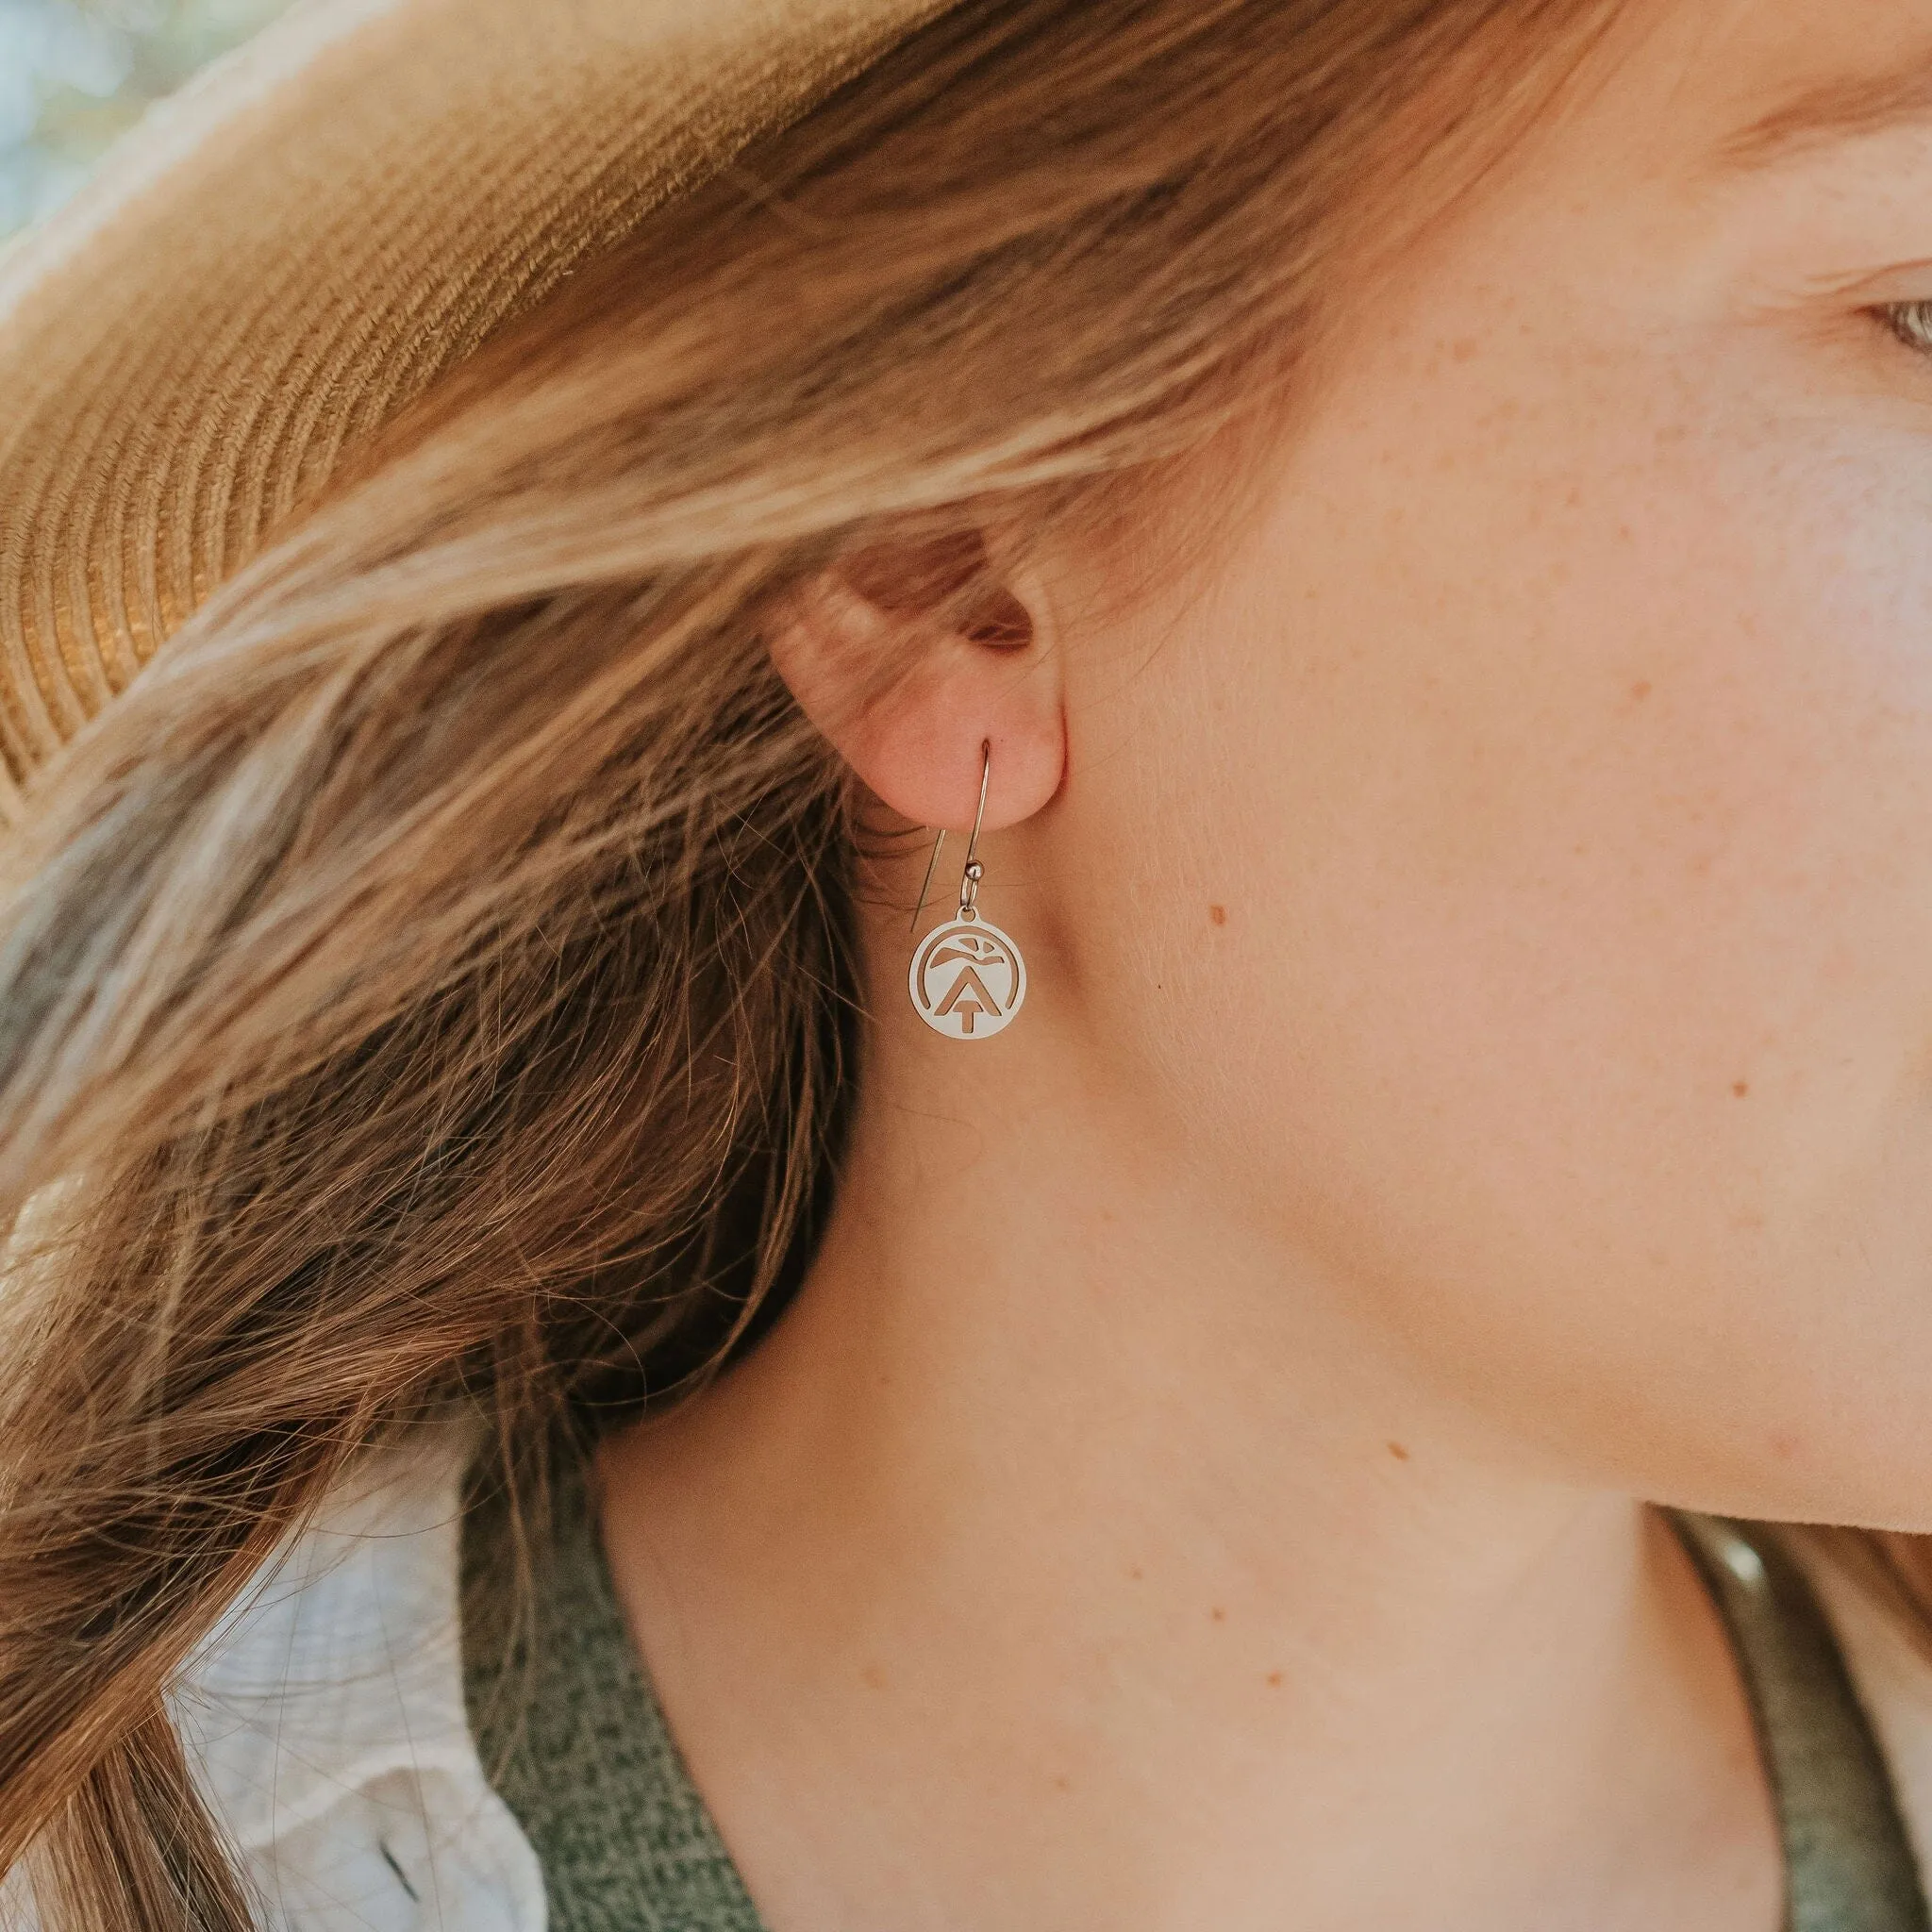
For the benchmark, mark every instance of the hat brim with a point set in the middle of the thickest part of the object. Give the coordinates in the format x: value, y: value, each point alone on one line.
x: 299, y: 243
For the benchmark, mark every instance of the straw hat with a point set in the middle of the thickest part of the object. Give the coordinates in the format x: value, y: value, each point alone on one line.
x: 299, y: 243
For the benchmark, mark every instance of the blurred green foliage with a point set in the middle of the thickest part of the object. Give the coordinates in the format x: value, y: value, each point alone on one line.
x: 75, y: 74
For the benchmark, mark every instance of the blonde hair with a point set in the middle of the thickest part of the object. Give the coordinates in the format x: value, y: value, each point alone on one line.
x: 430, y: 983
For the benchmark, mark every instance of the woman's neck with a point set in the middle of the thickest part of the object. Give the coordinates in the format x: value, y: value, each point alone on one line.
x: 1071, y: 1557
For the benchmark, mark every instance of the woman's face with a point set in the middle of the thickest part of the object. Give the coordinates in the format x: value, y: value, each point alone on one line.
x: 1510, y: 863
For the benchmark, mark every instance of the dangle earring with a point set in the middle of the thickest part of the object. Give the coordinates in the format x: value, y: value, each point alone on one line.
x: 967, y: 979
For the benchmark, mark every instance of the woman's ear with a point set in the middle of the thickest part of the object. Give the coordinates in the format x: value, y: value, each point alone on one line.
x: 908, y: 678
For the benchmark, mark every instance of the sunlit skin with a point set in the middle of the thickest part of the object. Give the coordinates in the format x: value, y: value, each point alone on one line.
x: 1476, y: 1077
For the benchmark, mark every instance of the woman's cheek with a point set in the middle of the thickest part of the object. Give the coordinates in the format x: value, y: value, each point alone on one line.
x: 1577, y: 881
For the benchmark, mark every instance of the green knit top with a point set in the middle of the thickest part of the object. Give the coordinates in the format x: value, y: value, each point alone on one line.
x: 576, y: 1744
x: 570, y: 1734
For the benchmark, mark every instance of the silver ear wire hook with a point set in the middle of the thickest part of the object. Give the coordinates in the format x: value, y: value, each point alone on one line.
x: 969, y: 881
x: 925, y: 884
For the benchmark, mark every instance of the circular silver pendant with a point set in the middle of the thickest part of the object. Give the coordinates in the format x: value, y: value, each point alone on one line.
x: 967, y: 980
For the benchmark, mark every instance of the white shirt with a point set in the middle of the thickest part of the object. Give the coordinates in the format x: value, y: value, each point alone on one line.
x: 326, y: 1716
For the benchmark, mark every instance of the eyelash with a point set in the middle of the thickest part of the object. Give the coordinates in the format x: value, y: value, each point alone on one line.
x: 1911, y: 323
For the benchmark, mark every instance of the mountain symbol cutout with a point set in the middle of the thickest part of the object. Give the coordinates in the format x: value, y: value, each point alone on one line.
x: 968, y: 998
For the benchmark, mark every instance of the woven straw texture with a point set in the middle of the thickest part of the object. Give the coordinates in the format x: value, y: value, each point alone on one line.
x: 296, y: 245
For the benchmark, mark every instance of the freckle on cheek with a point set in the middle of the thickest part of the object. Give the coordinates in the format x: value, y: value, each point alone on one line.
x: 1641, y: 690
x: 1217, y: 915
x: 1400, y: 1454
x: 1740, y: 1088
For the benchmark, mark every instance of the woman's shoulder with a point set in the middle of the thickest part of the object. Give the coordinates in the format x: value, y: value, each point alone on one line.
x: 326, y: 1718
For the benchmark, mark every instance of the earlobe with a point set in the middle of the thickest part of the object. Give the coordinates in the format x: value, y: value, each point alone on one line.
x: 910, y: 702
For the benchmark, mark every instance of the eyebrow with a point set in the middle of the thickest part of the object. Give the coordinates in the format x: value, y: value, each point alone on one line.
x: 1834, y: 110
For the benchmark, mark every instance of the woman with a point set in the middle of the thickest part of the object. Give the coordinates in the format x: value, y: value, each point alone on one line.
x: 1235, y: 1370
